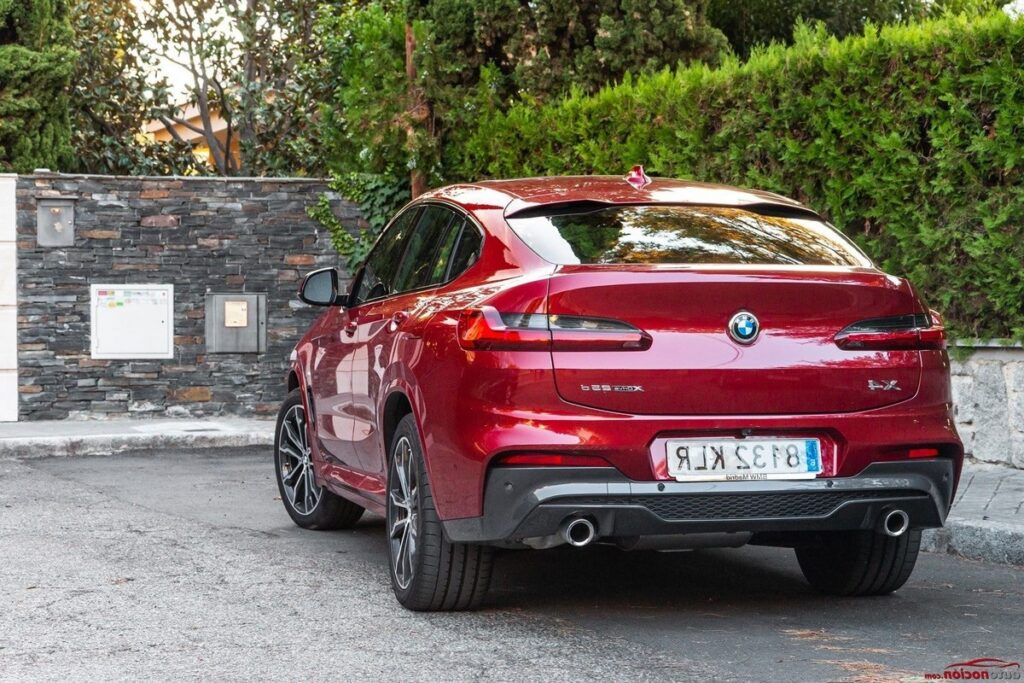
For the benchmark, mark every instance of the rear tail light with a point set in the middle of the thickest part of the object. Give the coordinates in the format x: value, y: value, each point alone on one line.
x: 923, y: 453
x: 485, y: 329
x: 902, y: 332
x: 550, y: 460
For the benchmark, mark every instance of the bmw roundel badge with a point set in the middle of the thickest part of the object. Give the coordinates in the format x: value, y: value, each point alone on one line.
x: 744, y: 328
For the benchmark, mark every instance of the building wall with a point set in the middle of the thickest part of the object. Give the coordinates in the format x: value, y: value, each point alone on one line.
x: 199, y: 234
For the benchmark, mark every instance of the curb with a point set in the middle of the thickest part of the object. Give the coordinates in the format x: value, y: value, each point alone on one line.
x: 109, y: 444
x: 977, y: 540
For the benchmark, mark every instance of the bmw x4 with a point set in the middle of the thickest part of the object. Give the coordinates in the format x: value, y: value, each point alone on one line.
x: 652, y: 364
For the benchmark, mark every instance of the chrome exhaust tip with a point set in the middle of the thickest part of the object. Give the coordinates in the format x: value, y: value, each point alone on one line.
x: 895, y: 523
x: 579, y: 532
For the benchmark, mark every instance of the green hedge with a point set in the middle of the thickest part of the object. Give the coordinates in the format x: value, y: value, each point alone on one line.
x: 909, y: 138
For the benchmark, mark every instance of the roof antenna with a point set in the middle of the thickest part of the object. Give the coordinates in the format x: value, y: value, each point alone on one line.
x: 637, y: 178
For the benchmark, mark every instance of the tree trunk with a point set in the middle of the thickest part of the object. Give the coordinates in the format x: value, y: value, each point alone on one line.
x: 245, y: 126
x: 417, y: 179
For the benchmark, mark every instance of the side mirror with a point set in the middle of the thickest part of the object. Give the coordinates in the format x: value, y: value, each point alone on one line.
x: 320, y: 288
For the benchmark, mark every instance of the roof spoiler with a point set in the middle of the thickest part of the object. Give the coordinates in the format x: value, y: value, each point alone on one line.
x: 589, y: 206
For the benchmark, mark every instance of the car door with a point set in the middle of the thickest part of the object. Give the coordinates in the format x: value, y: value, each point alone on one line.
x: 336, y: 413
x: 331, y: 370
x: 384, y: 322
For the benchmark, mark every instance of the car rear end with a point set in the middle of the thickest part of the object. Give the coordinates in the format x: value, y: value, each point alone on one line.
x: 694, y: 375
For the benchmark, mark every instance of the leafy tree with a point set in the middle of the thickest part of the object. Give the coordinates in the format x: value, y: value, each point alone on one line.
x: 409, y: 79
x: 243, y: 61
x: 568, y: 43
x: 366, y: 119
x: 35, y: 70
x: 276, y: 97
x: 747, y: 23
x: 546, y: 47
x: 372, y: 125
x: 115, y: 93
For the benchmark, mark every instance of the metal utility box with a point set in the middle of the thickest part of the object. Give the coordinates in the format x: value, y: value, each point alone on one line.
x: 236, y: 323
x: 55, y: 222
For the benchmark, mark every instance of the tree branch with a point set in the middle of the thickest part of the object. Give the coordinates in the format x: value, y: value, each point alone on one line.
x: 169, y: 127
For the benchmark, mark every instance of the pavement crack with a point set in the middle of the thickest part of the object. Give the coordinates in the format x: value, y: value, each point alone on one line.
x: 965, y: 489
x: 995, y: 491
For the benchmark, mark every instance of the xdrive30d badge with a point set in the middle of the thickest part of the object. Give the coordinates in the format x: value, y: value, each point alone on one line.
x: 639, y: 362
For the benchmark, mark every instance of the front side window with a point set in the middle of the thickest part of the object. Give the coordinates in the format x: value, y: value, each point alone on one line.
x: 378, y: 278
x: 663, y: 234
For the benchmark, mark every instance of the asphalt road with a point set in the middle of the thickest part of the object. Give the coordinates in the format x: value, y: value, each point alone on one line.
x: 184, y: 566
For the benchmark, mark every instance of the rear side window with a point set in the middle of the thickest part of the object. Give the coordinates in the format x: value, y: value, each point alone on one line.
x: 378, y: 279
x: 431, y: 231
x: 468, y: 250
x: 445, y: 251
x: 686, y: 235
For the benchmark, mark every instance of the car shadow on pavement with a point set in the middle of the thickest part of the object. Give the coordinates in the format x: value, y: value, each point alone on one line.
x: 568, y: 577
x: 642, y: 578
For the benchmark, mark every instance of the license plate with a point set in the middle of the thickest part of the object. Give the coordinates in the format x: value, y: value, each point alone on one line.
x: 743, y: 459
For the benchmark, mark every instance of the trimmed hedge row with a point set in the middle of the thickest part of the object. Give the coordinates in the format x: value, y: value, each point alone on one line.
x: 909, y: 138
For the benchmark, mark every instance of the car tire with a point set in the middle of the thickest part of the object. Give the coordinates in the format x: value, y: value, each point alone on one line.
x: 858, y: 563
x: 310, y: 506
x: 434, y: 574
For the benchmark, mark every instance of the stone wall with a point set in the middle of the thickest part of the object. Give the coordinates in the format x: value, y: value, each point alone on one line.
x: 199, y: 234
x: 988, y: 395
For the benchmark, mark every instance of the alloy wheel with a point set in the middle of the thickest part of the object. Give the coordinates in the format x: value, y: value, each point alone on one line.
x: 403, y: 512
x: 296, y: 464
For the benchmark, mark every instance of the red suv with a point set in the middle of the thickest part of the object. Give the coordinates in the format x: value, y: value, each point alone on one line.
x: 650, y: 364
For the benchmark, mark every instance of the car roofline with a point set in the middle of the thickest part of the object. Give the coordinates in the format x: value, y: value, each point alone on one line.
x: 518, y: 195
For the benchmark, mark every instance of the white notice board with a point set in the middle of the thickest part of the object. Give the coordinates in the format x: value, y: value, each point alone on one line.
x: 132, y: 321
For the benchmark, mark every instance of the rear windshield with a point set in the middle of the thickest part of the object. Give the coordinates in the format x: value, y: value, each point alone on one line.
x: 685, y: 235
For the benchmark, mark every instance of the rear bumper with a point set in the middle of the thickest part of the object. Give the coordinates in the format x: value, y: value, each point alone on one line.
x: 533, y: 502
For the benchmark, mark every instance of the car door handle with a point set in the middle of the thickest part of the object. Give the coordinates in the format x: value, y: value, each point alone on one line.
x: 350, y: 328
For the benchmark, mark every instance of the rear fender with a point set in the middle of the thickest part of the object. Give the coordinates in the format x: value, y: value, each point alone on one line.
x: 398, y: 379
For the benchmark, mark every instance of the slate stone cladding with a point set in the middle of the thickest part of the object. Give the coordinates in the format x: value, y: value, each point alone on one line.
x: 199, y: 234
